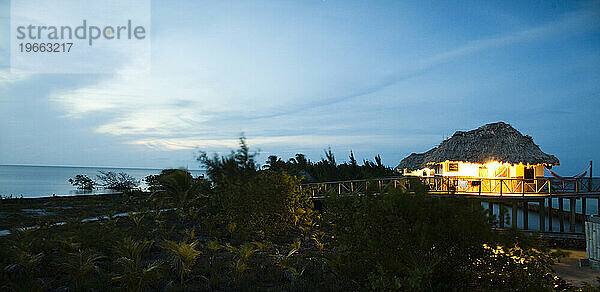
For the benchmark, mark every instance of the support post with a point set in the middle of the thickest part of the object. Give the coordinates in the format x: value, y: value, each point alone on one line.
x: 572, y: 217
x: 501, y: 212
x: 500, y: 188
x: 491, y: 207
x: 550, y: 214
x: 561, y: 219
x: 514, y: 220
x: 526, y: 215
x: 541, y: 213
x: 583, y: 208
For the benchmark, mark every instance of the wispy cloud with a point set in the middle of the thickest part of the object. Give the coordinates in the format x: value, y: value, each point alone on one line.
x: 157, y: 110
x: 7, y: 78
x: 571, y: 24
x: 290, y: 140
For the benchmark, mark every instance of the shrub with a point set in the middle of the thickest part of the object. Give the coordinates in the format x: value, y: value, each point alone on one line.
x: 397, y: 241
x: 268, y: 204
x: 117, y: 181
x: 82, y: 182
x: 178, y: 187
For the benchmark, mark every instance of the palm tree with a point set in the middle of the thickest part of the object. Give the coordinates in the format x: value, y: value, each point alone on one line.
x: 179, y: 187
x: 80, y: 264
x: 136, y: 274
x: 242, y: 255
x: 183, y: 257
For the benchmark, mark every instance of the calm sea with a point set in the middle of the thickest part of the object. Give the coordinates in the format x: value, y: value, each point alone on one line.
x: 44, y: 181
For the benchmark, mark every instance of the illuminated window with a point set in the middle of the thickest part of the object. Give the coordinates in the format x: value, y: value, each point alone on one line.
x: 483, y: 171
x: 502, y: 171
x: 452, y: 167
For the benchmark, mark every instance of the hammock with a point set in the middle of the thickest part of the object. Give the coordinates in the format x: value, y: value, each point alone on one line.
x: 556, y: 176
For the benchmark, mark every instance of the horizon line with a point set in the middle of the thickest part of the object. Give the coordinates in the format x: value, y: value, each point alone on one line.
x: 81, y: 166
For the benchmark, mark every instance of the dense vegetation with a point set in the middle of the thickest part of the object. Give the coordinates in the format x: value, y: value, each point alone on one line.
x: 248, y: 229
x: 327, y: 169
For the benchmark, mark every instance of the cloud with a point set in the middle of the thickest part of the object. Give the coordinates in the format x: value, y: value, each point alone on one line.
x: 7, y: 78
x: 310, y: 141
x: 572, y: 23
x: 195, y: 91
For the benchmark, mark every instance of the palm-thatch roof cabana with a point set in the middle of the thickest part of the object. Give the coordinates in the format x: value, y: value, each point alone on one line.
x: 498, y: 142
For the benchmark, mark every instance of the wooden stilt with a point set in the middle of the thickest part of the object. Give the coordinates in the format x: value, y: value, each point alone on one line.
x: 526, y: 215
x: 501, y: 209
x: 561, y: 219
x: 583, y: 209
x: 572, y: 217
x: 550, y: 214
x: 514, y: 220
x: 541, y: 213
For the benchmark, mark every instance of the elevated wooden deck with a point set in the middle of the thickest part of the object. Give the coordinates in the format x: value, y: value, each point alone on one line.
x: 510, y: 187
x: 520, y: 195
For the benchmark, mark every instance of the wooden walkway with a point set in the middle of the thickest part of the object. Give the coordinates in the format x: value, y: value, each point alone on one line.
x: 522, y: 196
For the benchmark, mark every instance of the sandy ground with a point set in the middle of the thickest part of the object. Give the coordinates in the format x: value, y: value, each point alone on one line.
x: 569, y: 270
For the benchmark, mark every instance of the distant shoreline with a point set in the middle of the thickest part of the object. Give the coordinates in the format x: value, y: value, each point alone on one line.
x: 79, y: 166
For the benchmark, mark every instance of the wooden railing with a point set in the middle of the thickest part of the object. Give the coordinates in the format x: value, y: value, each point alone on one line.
x: 463, y: 185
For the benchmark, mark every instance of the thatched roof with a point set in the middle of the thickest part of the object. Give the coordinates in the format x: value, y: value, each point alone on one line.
x: 497, y: 141
x: 414, y: 161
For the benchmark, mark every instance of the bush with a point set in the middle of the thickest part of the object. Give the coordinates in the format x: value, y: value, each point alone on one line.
x: 177, y: 187
x: 269, y: 204
x: 397, y: 241
x: 117, y: 181
x: 82, y: 182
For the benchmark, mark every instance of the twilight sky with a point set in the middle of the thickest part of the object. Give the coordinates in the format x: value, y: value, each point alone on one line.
x: 377, y: 77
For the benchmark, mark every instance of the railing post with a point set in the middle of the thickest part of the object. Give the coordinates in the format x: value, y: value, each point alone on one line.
x: 590, y: 180
x: 339, y: 188
x: 480, y: 183
x: 351, y: 187
x: 576, y: 185
x: 500, y: 188
x: 523, y: 187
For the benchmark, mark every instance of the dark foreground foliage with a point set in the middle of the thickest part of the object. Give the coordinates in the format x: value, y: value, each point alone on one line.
x: 249, y: 229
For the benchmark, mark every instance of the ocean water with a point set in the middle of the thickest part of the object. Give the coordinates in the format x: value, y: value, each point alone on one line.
x: 45, y: 181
